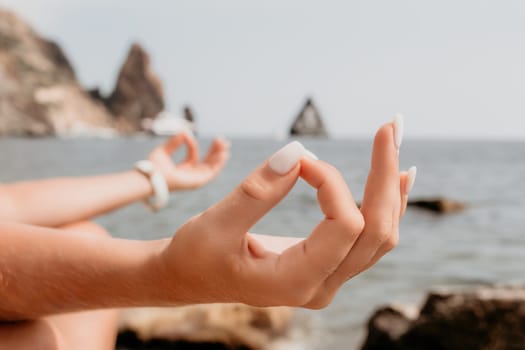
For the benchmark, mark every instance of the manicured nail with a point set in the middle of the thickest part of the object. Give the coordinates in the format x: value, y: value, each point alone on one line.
x: 287, y: 157
x: 399, y: 127
x: 310, y: 154
x: 411, y: 178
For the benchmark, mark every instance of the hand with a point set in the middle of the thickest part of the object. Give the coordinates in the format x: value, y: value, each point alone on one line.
x: 192, y: 172
x: 213, y: 258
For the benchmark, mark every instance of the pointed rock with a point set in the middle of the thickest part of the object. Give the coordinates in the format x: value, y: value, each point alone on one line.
x: 138, y: 93
x: 308, y: 122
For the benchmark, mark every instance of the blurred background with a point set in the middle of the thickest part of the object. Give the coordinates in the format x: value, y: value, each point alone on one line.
x: 455, y: 70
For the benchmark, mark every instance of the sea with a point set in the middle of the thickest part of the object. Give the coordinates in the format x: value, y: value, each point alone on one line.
x: 485, y: 243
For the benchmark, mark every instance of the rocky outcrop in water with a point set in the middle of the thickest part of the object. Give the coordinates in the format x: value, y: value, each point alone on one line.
x: 438, y: 205
x: 213, y: 326
x: 308, y: 122
x: 484, y: 318
x: 40, y: 96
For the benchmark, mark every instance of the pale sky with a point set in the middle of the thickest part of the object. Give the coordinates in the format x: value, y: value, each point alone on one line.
x: 453, y: 68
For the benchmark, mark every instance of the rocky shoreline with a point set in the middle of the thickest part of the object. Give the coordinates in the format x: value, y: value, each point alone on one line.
x: 208, y: 326
x: 40, y: 95
x: 470, y: 318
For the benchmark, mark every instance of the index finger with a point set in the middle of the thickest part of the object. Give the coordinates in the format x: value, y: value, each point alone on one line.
x: 331, y: 240
x: 174, y: 142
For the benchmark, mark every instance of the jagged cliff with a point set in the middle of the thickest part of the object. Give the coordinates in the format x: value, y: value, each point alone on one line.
x: 40, y: 95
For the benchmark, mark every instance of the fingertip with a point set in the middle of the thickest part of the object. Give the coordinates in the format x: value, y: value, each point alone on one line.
x: 222, y: 142
x: 403, y: 176
x: 287, y: 158
x: 385, y: 154
x: 384, y: 137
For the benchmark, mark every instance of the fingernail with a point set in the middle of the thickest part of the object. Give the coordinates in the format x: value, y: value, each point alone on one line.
x: 310, y: 154
x: 399, y: 126
x: 286, y: 158
x: 411, y: 178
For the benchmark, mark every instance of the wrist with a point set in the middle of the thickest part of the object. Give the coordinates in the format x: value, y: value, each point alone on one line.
x: 146, y: 278
x: 170, y: 288
x: 159, y: 186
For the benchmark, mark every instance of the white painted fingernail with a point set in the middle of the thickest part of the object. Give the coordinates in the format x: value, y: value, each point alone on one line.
x: 411, y: 178
x: 286, y: 158
x: 399, y: 127
x: 310, y: 154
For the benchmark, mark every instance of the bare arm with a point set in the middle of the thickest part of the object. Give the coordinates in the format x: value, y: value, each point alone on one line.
x: 45, y: 271
x: 212, y: 258
x: 60, y: 201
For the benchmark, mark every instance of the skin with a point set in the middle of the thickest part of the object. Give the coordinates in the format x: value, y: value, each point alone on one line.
x: 213, y: 257
x: 70, y: 200
x: 22, y: 203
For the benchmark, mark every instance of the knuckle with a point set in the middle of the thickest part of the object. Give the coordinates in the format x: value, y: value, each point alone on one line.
x: 354, y: 225
x: 319, y: 303
x: 334, y: 174
x: 323, y: 299
x: 391, y: 242
x: 297, y: 295
x: 255, y: 189
x: 332, y: 168
x: 299, y: 299
x: 233, y: 265
x: 383, y: 230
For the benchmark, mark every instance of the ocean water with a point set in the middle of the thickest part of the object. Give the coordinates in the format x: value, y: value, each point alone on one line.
x: 482, y: 244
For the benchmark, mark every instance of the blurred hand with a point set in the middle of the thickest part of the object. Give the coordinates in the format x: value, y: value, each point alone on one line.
x: 192, y: 172
x: 213, y: 258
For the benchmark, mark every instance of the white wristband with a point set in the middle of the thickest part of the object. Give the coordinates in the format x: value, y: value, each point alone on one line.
x: 161, y: 192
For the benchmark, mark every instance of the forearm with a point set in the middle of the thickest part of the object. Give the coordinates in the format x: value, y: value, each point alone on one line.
x: 46, y: 271
x: 57, y: 202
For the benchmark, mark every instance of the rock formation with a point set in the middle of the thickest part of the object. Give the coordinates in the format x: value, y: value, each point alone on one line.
x: 213, y: 326
x: 308, y: 122
x: 40, y: 96
x: 438, y: 205
x: 188, y: 114
x: 138, y: 93
x: 484, y: 318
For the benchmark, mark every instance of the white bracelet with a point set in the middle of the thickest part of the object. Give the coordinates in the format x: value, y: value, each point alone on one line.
x: 161, y: 192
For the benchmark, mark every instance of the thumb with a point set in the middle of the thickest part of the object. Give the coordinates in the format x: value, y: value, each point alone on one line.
x: 259, y: 192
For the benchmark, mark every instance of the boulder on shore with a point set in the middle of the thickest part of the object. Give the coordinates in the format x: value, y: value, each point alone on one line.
x: 40, y: 95
x: 483, y: 318
x: 209, y: 326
